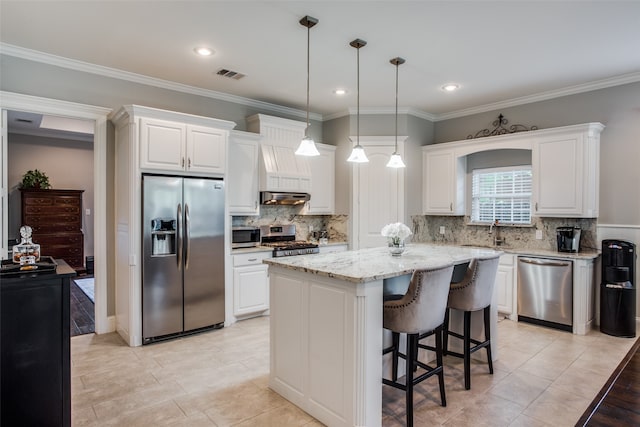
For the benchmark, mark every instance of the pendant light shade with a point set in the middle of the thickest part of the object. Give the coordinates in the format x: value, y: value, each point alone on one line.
x: 396, y: 161
x: 357, y: 154
x: 307, y: 146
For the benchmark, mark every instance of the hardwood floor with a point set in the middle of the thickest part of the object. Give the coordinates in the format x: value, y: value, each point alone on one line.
x: 618, y: 402
x: 81, y: 311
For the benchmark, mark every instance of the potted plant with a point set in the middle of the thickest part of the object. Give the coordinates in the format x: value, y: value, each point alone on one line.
x: 35, y: 179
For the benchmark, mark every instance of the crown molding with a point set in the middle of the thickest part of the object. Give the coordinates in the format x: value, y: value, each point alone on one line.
x: 544, y: 96
x: 72, y: 64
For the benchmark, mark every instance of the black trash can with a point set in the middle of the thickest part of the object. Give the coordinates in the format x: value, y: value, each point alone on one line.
x: 618, y: 289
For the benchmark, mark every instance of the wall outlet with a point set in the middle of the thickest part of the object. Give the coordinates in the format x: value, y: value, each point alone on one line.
x: 442, y: 229
x: 539, y: 234
x: 87, y: 212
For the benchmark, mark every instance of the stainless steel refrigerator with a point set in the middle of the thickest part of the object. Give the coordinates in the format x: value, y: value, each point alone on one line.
x: 183, y: 255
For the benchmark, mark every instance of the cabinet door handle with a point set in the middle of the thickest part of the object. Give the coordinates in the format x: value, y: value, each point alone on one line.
x: 252, y: 259
x: 536, y: 206
x: 182, y: 162
x: 451, y: 206
x: 189, y: 163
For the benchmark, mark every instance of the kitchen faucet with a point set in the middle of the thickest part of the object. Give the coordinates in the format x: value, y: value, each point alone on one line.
x: 497, y: 241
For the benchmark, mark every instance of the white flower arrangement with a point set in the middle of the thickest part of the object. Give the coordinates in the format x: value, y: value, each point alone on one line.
x: 396, y: 232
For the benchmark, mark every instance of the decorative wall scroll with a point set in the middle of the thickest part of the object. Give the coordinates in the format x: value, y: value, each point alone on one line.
x: 499, y: 129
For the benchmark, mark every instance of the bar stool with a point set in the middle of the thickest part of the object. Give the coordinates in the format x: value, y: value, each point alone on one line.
x: 473, y: 293
x: 418, y: 313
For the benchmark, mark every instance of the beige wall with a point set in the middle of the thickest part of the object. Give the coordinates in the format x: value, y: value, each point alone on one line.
x: 69, y: 166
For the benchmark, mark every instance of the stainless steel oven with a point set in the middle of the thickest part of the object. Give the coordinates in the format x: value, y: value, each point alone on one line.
x: 245, y: 237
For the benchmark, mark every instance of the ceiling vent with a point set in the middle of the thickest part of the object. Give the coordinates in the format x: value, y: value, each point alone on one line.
x: 230, y: 74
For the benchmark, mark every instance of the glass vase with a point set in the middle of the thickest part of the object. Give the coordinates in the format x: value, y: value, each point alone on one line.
x: 396, y: 248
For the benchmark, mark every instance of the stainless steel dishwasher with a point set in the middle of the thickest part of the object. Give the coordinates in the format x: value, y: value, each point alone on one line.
x: 545, y: 292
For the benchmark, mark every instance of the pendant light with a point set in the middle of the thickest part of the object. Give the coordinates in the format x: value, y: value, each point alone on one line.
x: 358, y: 155
x: 396, y: 161
x: 307, y: 146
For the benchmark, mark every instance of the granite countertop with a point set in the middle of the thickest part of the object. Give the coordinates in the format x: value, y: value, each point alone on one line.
x: 587, y: 254
x: 269, y: 249
x: 366, y: 265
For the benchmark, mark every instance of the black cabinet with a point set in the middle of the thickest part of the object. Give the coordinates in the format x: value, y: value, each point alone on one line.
x: 35, y: 375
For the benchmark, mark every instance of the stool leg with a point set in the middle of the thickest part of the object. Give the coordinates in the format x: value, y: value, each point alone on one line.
x: 394, y: 354
x: 467, y: 350
x: 487, y: 335
x: 412, y: 343
x: 445, y: 332
x: 439, y: 363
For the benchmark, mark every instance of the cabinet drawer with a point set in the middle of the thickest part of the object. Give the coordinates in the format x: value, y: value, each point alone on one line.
x: 34, y: 220
x: 251, y: 258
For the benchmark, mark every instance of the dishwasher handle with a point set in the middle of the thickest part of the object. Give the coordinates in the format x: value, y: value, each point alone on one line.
x: 545, y: 262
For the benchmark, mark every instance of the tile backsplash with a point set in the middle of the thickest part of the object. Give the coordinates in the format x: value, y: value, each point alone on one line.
x: 335, y: 225
x: 458, y: 230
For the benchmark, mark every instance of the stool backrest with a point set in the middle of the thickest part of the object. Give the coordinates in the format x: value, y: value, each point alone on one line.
x: 422, y: 308
x: 475, y: 291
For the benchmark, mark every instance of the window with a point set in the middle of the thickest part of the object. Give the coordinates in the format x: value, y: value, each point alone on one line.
x: 503, y: 194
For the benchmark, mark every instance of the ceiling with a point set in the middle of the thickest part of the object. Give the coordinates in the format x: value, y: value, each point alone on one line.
x: 500, y: 53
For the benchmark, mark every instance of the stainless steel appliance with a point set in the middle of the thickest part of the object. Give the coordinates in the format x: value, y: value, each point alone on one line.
x: 568, y: 239
x: 245, y: 237
x: 282, y: 198
x: 182, y: 255
x: 545, y: 292
x: 282, y: 238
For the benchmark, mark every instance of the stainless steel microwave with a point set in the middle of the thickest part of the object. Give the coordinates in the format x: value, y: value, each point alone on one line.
x: 245, y: 237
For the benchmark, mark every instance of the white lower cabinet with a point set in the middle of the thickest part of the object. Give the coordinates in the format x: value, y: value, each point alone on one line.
x: 250, y: 284
x: 506, y: 280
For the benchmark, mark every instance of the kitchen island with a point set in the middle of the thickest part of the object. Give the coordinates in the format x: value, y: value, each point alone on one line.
x: 326, y: 326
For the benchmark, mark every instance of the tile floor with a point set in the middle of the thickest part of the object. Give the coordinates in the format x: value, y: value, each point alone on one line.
x: 543, y: 378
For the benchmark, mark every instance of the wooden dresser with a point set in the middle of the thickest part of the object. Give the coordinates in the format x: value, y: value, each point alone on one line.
x: 56, y: 219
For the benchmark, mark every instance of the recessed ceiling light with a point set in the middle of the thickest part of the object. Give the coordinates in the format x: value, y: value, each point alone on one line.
x: 450, y: 87
x: 203, y: 51
x: 340, y: 92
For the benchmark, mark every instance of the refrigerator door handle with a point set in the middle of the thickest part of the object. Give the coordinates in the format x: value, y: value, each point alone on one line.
x: 179, y: 223
x: 187, y: 235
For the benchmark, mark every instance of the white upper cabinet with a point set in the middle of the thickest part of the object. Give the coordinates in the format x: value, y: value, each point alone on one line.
x: 566, y: 173
x: 162, y: 145
x: 242, y: 177
x: 206, y: 149
x: 565, y: 170
x: 443, y: 181
x: 323, y: 191
x: 175, y: 142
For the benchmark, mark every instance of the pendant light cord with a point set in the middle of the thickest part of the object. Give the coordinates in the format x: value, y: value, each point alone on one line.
x: 306, y: 130
x: 358, y: 101
x: 396, y: 149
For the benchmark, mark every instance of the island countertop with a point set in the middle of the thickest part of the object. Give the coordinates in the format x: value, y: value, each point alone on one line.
x: 366, y: 265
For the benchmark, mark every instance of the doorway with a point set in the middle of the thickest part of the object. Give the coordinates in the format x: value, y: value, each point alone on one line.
x: 378, y: 192
x: 98, y: 116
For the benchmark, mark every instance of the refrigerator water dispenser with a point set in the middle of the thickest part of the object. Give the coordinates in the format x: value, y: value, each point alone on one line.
x: 163, y: 236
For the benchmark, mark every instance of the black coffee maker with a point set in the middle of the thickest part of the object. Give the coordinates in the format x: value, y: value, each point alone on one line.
x: 568, y: 239
x: 618, y: 290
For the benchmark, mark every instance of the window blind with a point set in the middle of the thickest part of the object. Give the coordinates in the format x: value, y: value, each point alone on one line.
x: 503, y: 194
